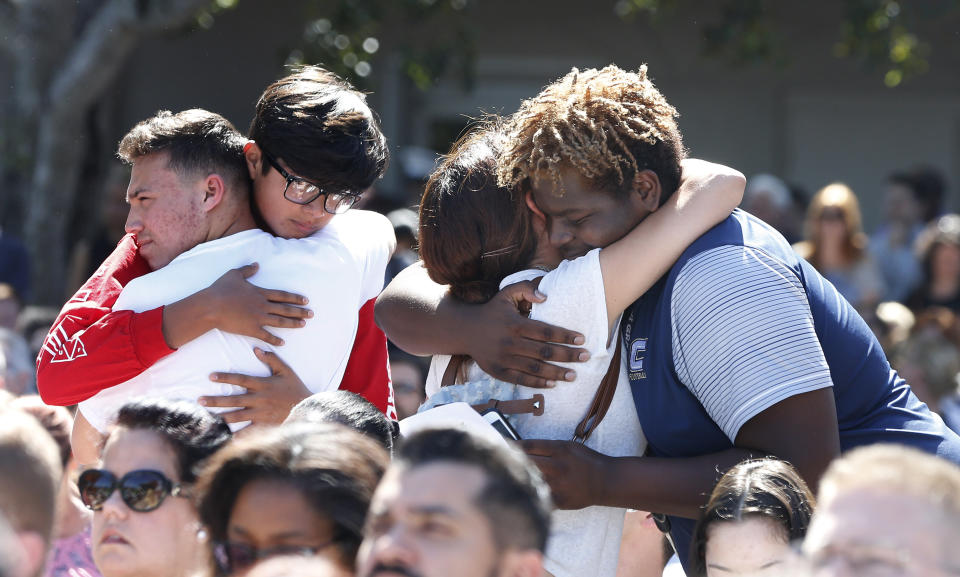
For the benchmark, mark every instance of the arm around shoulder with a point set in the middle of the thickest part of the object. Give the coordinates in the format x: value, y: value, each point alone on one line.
x: 707, y: 194
x: 419, y: 315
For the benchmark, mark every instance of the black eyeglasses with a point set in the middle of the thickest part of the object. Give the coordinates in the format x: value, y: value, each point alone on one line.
x: 232, y: 557
x: 142, y: 490
x: 302, y: 191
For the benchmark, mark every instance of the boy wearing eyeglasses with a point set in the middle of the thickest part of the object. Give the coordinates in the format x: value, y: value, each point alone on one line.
x: 330, y: 148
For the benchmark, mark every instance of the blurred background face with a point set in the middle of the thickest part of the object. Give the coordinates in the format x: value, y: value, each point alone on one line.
x: 833, y: 225
x: 875, y: 533
x: 408, y: 387
x: 754, y: 546
x: 424, y: 523
x: 159, y: 543
x: 945, y: 262
x: 273, y: 517
x: 901, y: 205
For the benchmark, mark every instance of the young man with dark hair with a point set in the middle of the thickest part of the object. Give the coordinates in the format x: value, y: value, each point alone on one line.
x: 454, y: 504
x: 741, y: 347
x: 91, y: 347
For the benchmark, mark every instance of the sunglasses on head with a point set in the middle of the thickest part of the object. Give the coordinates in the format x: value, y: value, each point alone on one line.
x: 142, y: 490
x: 232, y: 557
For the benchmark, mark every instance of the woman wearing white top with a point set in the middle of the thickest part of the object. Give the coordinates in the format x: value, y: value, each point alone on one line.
x: 477, y: 237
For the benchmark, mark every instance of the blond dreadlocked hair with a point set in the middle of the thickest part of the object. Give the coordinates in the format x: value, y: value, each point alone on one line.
x: 606, y: 124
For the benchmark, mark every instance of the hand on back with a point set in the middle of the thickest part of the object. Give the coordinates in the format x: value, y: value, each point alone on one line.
x: 513, y: 348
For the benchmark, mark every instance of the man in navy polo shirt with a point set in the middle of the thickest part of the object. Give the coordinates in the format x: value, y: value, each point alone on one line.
x: 742, y: 348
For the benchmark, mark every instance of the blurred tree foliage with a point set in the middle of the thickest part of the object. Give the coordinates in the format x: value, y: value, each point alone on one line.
x: 429, y: 38
x: 880, y: 33
x: 66, y: 57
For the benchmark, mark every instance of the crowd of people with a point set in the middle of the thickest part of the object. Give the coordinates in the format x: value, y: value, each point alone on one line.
x: 668, y: 384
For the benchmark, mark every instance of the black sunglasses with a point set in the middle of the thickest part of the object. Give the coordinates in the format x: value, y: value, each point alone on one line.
x: 301, y: 191
x: 142, y: 490
x: 232, y: 557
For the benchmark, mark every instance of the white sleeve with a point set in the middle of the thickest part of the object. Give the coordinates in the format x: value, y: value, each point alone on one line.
x: 369, y: 236
x: 576, y: 300
x: 743, y: 334
x: 438, y: 365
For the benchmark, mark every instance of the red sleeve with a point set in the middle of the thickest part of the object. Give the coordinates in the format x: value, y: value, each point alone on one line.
x: 90, y: 347
x: 368, y: 370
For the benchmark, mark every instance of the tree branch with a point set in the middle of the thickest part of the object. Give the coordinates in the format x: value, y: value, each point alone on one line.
x: 107, y: 41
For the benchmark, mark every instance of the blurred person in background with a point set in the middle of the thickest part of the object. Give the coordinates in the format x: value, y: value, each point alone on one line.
x: 929, y: 359
x: 70, y: 551
x: 144, y: 522
x: 886, y: 510
x: 758, y: 508
x: 10, y: 306
x: 768, y: 198
x: 891, y: 323
x: 17, y: 370
x: 348, y: 409
x: 405, y: 225
x: 892, y: 243
x: 454, y: 505
x: 836, y: 246
x: 34, y: 323
x: 938, y: 248
x: 930, y: 188
x: 293, y: 490
x: 15, y: 265
x: 409, y: 375
x: 30, y: 473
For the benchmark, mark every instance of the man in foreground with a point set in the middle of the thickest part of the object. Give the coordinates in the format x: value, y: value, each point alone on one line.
x: 886, y: 510
x: 453, y: 504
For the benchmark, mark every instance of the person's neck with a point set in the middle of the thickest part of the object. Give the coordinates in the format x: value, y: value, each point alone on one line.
x: 239, y: 221
x: 944, y: 288
x: 832, y: 257
x: 539, y: 266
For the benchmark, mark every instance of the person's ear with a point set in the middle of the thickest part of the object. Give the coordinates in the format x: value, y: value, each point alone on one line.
x: 646, y: 185
x: 214, y: 190
x: 532, y: 205
x: 522, y: 563
x: 253, y: 157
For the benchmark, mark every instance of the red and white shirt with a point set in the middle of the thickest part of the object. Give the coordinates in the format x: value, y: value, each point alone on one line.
x: 93, y: 347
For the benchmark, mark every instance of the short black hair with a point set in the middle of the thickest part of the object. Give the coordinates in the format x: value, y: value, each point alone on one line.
x: 196, y: 141
x: 515, y: 499
x: 346, y: 408
x: 193, y: 432
x: 322, y: 127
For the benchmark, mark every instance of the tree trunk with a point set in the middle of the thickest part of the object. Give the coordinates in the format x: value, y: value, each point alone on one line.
x: 56, y: 87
